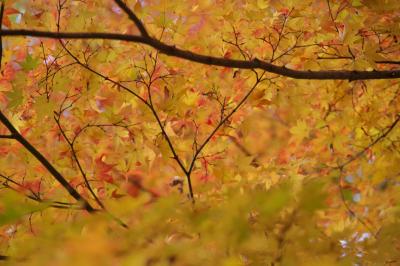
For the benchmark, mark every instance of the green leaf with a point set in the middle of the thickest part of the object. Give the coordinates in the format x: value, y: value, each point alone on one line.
x: 272, y: 201
x: 15, y: 97
x: 43, y: 106
x: 30, y: 63
x: 347, y: 194
x: 14, y: 207
x: 313, y: 196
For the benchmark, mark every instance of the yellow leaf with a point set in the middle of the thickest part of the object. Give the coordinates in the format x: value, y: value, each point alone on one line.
x: 300, y: 130
x: 262, y: 4
x: 43, y: 107
x: 190, y: 98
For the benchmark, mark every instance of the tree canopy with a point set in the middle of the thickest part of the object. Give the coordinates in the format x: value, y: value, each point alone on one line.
x: 201, y: 132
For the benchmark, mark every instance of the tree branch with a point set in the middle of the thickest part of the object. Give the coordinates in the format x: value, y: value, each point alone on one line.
x: 349, y: 209
x: 57, y: 118
x: 18, y: 137
x: 45, y: 163
x: 211, y: 60
x: 7, y: 137
x: 222, y: 122
x: 133, y: 17
x: 360, y: 153
x: 36, y: 197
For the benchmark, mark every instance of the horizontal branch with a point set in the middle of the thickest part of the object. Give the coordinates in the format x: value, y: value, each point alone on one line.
x: 7, y: 137
x: 211, y: 60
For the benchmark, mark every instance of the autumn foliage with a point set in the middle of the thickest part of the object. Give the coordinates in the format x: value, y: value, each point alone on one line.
x: 201, y: 132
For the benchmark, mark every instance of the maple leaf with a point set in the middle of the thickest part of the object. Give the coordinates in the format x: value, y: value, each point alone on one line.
x: 103, y: 169
x: 29, y: 63
x: 301, y: 130
x: 43, y: 106
x: 15, y: 97
x: 9, y: 11
x: 277, y: 119
x: 32, y: 186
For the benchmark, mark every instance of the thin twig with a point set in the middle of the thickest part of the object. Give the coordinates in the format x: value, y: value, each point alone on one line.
x: 220, y: 124
x: 18, y: 137
x: 54, y: 172
x: 380, y: 138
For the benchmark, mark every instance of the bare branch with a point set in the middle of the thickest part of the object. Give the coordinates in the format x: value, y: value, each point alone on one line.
x: 133, y: 17
x: 220, y: 124
x: 101, y: 75
x: 54, y: 172
x: 7, y: 137
x: 18, y: 137
x: 380, y: 138
x: 212, y: 60
x: 78, y: 163
x: 36, y: 197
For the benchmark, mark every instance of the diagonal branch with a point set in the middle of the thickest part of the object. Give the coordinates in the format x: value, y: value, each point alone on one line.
x: 87, y: 67
x: 54, y: 172
x: 220, y: 124
x: 380, y: 138
x: 254, y: 162
x: 148, y: 104
x: 57, y: 118
x: 133, y: 17
x: 255, y: 63
x: 18, y: 137
x: 350, y: 210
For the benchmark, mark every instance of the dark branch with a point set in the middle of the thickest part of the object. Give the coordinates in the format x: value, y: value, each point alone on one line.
x: 133, y: 17
x: 45, y: 163
x: 211, y: 60
x: 18, y: 137
x: 7, y: 137
x: 36, y: 197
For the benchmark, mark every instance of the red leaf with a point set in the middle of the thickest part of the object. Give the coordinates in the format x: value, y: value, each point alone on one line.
x: 33, y: 186
x: 10, y: 11
x: 115, y: 194
x: 103, y: 169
